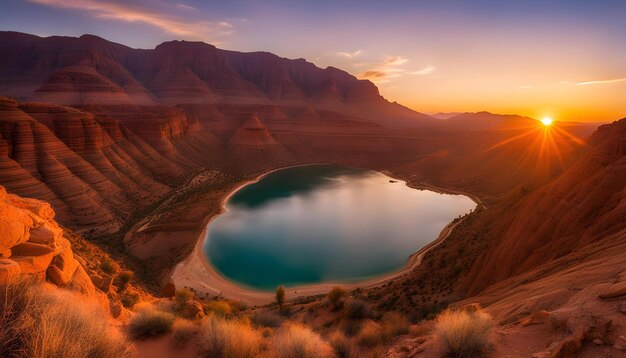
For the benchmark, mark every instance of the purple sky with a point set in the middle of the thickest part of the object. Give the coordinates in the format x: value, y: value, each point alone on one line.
x: 565, y: 59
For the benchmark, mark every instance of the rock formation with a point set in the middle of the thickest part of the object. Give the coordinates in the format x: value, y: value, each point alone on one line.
x: 32, y: 244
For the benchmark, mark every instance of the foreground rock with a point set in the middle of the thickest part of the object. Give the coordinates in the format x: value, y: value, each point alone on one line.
x: 32, y: 244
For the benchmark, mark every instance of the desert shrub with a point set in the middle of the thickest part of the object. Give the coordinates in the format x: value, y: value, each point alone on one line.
x: 295, y: 340
x: 335, y: 295
x: 109, y: 266
x: 124, y: 279
x: 183, y: 331
x: 129, y: 299
x: 267, y: 319
x: 228, y: 339
x: 183, y: 295
x: 342, y: 345
x: 369, y: 335
x: 150, y: 322
x: 219, y: 308
x: 464, y: 333
x: 351, y: 328
x: 41, y: 321
x: 280, y: 296
x: 394, y: 324
x: 357, y: 309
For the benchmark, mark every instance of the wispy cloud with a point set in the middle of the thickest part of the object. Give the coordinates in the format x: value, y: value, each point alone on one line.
x: 424, y: 71
x: 392, y: 67
x: 350, y: 54
x: 133, y: 12
x: 395, y: 60
x: 185, y: 7
x: 598, y: 82
x: 526, y: 86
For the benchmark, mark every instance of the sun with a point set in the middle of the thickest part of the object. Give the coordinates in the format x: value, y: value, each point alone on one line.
x: 546, y: 121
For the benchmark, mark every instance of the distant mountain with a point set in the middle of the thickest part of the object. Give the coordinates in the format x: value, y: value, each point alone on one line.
x: 90, y: 70
x: 445, y: 115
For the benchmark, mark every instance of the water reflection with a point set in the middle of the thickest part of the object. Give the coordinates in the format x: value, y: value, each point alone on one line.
x: 319, y: 223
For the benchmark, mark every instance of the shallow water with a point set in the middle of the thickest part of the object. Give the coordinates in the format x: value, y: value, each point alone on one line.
x: 322, y: 223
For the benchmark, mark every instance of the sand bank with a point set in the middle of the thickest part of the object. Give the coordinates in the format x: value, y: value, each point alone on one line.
x: 198, y: 273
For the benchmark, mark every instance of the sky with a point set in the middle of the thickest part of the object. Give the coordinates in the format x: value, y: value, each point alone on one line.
x: 562, y: 59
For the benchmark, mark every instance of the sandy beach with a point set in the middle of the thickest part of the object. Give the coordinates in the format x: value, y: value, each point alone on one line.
x: 197, y: 273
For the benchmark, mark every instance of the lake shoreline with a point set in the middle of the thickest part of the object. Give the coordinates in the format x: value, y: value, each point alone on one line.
x: 198, y: 273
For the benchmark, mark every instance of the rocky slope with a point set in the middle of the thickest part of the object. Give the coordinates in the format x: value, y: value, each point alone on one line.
x: 547, y: 264
x: 32, y: 244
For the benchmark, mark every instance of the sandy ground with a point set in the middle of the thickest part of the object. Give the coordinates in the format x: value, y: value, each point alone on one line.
x: 197, y: 273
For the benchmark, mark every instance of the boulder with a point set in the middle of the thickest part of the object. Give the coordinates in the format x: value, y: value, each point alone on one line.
x: 46, y: 234
x: 32, y: 258
x: 5, y: 253
x: 56, y: 276
x: 471, y: 308
x: 81, y: 282
x: 3, y: 193
x: 615, y: 290
x: 193, y: 310
x: 536, y: 318
x: 102, y: 281
x: 118, y: 311
x: 169, y: 290
x: 9, y: 270
x: 15, y: 226
x: 37, y: 207
x: 65, y: 261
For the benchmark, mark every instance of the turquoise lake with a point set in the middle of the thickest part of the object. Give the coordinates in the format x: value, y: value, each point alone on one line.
x: 320, y: 223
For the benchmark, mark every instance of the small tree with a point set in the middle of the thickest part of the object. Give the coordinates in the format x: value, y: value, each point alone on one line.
x: 280, y: 296
x: 335, y: 295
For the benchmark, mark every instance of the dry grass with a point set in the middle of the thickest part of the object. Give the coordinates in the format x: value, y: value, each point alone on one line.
x: 335, y: 297
x: 370, y: 334
x: 295, y: 340
x: 219, y: 308
x: 183, y: 295
x: 342, y: 345
x: 229, y: 339
x: 394, y: 324
x: 109, y: 266
x: 150, y: 322
x: 464, y: 334
x: 267, y: 319
x: 40, y: 321
x: 184, y: 331
x: 124, y: 279
x: 357, y: 309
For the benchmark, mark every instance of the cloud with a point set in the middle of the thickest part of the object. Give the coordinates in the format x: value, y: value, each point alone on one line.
x: 392, y: 67
x: 185, y: 7
x: 395, y: 60
x: 374, y: 74
x: 424, y: 71
x: 598, y: 82
x: 350, y: 54
x: 386, y: 69
x: 526, y: 86
x: 132, y: 12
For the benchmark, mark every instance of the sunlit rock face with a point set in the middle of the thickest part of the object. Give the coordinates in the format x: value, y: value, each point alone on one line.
x: 90, y: 70
x: 32, y: 245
